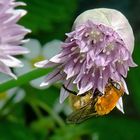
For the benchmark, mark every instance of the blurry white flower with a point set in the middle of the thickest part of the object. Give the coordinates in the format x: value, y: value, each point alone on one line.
x: 14, y: 95
x: 37, y: 53
x: 58, y: 108
x: 11, y: 35
x: 4, y: 78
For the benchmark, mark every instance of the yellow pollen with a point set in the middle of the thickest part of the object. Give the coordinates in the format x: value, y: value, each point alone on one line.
x: 37, y: 59
x: 3, y: 95
x: 99, y: 101
x: 108, y: 48
x: 120, y: 61
x: 96, y: 36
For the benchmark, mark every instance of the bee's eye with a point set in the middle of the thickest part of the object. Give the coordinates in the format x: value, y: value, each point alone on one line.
x: 116, y: 85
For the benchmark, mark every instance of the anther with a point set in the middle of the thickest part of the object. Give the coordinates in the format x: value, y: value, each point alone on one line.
x: 75, y: 60
x: 73, y: 48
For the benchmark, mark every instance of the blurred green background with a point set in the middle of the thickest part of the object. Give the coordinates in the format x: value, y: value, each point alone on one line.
x: 29, y: 113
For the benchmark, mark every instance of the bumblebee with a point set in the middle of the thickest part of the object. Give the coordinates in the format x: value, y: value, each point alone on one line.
x: 97, y: 104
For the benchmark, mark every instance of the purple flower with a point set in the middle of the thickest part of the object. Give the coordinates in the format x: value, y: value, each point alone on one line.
x: 98, y: 48
x: 11, y: 35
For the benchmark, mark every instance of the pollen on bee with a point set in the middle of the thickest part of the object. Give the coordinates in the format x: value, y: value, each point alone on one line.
x: 99, y: 101
x: 99, y: 108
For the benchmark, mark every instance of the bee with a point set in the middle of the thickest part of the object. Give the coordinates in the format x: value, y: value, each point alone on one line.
x: 97, y: 104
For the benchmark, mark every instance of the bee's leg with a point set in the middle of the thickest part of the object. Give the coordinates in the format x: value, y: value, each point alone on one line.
x: 70, y: 91
x: 110, y: 80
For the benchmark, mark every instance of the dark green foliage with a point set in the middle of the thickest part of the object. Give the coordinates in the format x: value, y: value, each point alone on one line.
x: 34, y: 117
x: 15, y: 131
x: 134, y: 77
x: 49, y: 19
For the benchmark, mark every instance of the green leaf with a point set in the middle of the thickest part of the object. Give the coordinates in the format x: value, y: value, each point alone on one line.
x: 48, y: 95
x: 49, y: 16
x: 23, y: 79
x: 134, y: 78
x: 103, y: 128
x: 14, y: 131
x: 43, y: 124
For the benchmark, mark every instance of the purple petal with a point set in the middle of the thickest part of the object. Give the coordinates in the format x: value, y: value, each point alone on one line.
x: 10, y: 61
x: 121, y: 69
x: 45, y: 64
x: 63, y: 93
x: 6, y: 70
x: 125, y: 86
x: 131, y: 63
x: 52, y: 77
x: 13, y: 50
x: 85, y: 84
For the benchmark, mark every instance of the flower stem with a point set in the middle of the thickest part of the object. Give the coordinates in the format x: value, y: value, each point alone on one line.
x: 54, y: 115
x: 23, y: 79
x: 36, y: 110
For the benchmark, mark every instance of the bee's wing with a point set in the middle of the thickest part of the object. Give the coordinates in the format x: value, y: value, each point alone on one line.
x: 82, y: 114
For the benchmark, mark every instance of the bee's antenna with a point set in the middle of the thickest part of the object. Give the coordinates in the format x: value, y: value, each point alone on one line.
x: 70, y: 91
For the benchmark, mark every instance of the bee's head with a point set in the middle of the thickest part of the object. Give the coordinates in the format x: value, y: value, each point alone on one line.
x: 118, y: 87
x: 97, y: 93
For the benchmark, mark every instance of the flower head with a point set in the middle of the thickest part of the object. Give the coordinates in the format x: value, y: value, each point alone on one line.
x: 11, y: 35
x: 98, y: 49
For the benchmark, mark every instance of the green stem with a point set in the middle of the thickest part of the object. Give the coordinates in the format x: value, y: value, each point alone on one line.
x: 7, y: 103
x: 23, y: 79
x: 36, y: 110
x: 50, y: 111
